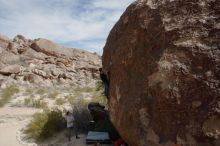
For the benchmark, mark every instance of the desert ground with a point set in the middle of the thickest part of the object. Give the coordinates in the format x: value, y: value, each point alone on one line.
x: 14, y: 119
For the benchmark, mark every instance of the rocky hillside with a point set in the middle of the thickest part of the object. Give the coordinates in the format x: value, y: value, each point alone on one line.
x: 163, y: 62
x: 42, y: 62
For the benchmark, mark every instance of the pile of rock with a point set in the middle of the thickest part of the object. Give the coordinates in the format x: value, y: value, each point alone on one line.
x: 41, y: 61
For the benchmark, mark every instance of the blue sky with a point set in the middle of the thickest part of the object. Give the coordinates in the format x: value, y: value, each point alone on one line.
x: 81, y: 24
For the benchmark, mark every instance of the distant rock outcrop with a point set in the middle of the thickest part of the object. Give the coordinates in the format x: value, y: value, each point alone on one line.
x: 23, y: 60
x: 49, y: 48
x: 163, y: 63
x: 4, y: 41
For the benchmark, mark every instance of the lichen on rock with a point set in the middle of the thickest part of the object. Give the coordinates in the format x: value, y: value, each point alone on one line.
x: 164, y: 56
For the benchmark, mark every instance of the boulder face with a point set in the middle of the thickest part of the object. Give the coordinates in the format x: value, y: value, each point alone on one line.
x: 162, y: 59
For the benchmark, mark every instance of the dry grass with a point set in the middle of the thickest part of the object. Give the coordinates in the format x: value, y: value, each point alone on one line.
x: 45, y: 125
x: 7, y: 93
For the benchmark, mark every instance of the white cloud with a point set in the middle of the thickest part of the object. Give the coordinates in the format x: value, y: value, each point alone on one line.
x: 111, y: 4
x: 64, y: 21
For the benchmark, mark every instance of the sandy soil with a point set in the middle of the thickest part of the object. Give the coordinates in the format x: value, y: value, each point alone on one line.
x: 13, y: 119
x: 61, y: 140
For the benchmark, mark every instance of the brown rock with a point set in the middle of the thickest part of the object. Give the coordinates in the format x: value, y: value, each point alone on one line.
x: 4, y: 41
x: 20, y: 38
x: 50, y: 48
x: 34, y: 54
x: 44, y: 59
x: 40, y: 73
x: 9, y: 58
x: 211, y: 127
x: 161, y: 57
x: 11, y: 69
x: 1, y: 50
x: 32, y: 78
x: 13, y: 47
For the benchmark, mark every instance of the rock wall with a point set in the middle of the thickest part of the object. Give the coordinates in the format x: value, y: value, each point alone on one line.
x: 163, y: 62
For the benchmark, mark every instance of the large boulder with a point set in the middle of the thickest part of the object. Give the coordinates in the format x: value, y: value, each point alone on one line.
x: 162, y: 59
x: 50, y: 48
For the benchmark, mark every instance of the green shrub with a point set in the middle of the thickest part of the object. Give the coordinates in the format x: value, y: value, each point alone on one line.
x: 29, y: 91
x: 99, y: 86
x: 100, y: 99
x: 87, y: 89
x: 40, y: 91
x: 53, y: 95
x: 99, y: 96
x: 84, y: 89
x: 71, y: 99
x: 37, y: 103
x: 82, y: 115
x: 44, y: 125
x: 7, y: 93
x: 60, y: 101
x: 78, y: 93
x: 28, y: 101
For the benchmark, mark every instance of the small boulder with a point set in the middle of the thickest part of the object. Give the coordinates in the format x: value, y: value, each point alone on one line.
x: 4, y: 41
x: 40, y: 72
x: 11, y: 69
x: 32, y: 78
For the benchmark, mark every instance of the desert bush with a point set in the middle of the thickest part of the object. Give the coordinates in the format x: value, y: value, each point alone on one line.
x: 100, y: 98
x: 70, y: 98
x: 60, y: 101
x: 86, y: 89
x: 78, y: 93
x: 29, y: 91
x: 37, y: 103
x: 82, y: 115
x: 44, y: 125
x: 53, y: 94
x: 40, y: 91
x: 99, y: 86
x: 7, y: 93
x: 27, y: 101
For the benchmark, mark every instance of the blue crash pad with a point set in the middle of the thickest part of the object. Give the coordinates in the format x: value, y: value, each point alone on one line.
x: 94, y: 136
